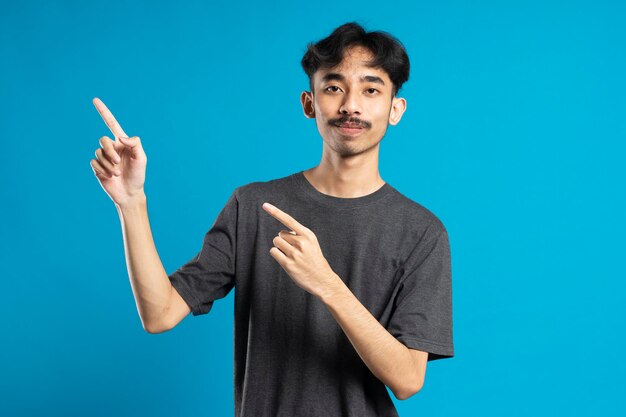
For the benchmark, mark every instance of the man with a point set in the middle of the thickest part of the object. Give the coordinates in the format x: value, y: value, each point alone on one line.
x: 343, y: 284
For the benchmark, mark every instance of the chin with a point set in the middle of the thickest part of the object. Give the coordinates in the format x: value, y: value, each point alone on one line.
x: 350, y: 149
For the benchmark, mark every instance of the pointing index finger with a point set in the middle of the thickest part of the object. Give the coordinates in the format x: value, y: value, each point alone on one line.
x: 108, y: 118
x: 284, y: 218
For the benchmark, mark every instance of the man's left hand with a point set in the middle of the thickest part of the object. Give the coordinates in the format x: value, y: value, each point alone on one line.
x: 298, y: 252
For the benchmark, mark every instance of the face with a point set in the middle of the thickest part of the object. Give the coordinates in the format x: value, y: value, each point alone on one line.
x: 352, y: 104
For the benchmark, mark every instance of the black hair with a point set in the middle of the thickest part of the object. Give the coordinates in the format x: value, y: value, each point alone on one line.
x: 389, y: 53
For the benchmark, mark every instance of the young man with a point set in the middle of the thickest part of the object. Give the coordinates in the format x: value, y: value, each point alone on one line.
x: 343, y: 284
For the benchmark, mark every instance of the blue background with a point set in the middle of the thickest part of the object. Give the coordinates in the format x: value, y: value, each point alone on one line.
x: 514, y: 136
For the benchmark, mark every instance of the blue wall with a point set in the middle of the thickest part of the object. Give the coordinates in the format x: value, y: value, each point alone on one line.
x: 514, y: 136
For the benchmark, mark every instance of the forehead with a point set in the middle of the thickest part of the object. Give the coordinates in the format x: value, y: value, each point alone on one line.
x: 354, y: 65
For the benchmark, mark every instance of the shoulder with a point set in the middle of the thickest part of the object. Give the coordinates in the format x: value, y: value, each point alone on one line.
x: 423, y: 232
x: 415, y: 216
x: 255, y: 191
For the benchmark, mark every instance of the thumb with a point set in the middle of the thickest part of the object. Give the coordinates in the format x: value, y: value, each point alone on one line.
x: 133, y: 143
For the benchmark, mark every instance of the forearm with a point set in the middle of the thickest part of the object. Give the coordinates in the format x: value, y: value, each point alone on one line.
x: 148, y: 279
x: 386, y: 357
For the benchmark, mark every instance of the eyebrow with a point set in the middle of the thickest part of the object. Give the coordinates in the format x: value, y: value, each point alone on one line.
x: 365, y: 78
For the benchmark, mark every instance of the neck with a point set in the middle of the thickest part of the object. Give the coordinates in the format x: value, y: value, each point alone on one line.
x: 344, y: 178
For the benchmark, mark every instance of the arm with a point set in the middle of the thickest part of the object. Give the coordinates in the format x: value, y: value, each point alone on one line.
x: 298, y: 252
x: 120, y: 167
x: 159, y: 305
x: 400, y: 368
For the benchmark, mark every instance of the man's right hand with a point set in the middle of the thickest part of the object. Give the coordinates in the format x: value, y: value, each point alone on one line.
x: 120, y: 164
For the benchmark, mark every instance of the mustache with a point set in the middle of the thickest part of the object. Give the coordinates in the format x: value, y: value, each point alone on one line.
x: 351, y: 120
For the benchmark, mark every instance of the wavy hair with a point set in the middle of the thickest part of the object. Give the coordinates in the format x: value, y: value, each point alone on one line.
x: 389, y: 53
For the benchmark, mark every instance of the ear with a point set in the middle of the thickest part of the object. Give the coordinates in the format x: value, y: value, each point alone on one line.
x: 398, y: 106
x: 308, y: 104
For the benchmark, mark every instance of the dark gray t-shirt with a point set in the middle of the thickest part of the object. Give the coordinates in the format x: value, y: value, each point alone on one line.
x: 291, y: 356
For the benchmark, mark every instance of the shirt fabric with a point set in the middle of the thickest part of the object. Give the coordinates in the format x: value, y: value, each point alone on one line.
x: 291, y: 357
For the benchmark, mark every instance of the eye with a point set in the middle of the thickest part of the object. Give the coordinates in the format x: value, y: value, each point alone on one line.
x: 372, y: 90
x: 332, y: 86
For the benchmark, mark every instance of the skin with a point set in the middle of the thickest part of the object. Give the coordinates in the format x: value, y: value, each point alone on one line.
x: 349, y: 168
x: 349, y: 164
x: 120, y: 163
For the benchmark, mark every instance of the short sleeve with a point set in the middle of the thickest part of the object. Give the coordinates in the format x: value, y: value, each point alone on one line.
x: 422, y: 314
x: 210, y: 274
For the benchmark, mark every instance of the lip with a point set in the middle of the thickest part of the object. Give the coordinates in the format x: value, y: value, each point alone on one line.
x: 350, y: 131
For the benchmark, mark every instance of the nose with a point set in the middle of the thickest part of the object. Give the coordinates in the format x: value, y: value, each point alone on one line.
x: 351, y: 103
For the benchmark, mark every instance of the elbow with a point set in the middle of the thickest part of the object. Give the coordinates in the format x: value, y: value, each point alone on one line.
x: 156, y: 325
x: 150, y: 330
x: 409, y: 392
x: 153, y: 328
